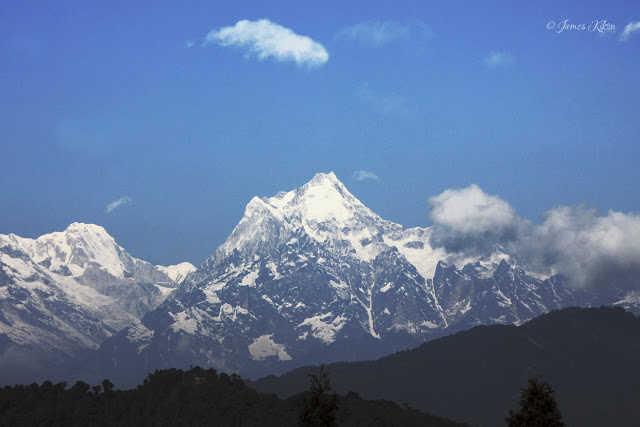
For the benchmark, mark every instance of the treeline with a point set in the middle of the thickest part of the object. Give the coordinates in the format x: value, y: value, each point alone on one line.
x: 174, y: 397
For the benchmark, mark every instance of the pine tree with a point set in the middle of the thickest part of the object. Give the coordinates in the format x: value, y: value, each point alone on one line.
x: 320, y: 405
x: 538, y: 407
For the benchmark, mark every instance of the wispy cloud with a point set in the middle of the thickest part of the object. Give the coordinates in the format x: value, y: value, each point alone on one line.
x: 630, y: 28
x: 362, y: 175
x: 384, y: 104
x: 188, y: 44
x: 126, y: 200
x: 498, y: 59
x: 374, y: 33
x: 266, y: 39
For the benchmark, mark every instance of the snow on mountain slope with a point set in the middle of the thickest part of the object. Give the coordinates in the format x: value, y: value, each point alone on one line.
x: 177, y: 272
x: 71, y: 251
x: 325, y: 214
x: 312, y: 275
x: 38, y: 310
x: 68, y: 291
x: 307, y: 276
x: 326, y: 211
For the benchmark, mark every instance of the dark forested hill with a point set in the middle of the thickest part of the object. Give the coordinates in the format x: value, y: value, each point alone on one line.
x: 589, y: 356
x: 177, y: 398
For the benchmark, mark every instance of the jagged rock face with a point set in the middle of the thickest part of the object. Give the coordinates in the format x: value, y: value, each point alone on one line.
x: 303, y: 273
x: 68, y: 291
x: 481, y: 294
x: 246, y: 313
x: 313, y: 275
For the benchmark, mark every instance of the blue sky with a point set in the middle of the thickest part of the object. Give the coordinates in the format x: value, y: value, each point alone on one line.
x: 120, y: 101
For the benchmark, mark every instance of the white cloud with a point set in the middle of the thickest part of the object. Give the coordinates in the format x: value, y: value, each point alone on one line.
x: 588, y: 248
x: 188, y: 44
x: 266, y: 39
x: 498, y: 59
x: 362, y: 175
x: 117, y: 203
x: 470, y: 211
x: 471, y: 221
x: 630, y: 28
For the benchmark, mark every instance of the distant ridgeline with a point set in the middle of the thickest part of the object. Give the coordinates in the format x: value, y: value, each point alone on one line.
x: 589, y: 356
x: 178, y: 398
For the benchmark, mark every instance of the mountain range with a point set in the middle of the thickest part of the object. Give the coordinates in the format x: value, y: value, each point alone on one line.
x: 307, y: 276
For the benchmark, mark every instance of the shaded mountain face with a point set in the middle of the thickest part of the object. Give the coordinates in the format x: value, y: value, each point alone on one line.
x: 589, y: 356
x: 66, y: 292
x: 312, y: 275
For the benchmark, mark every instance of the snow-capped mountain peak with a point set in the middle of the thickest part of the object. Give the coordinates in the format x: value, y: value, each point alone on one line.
x: 326, y: 212
x: 307, y: 269
x: 322, y: 209
x: 71, y: 251
x: 322, y: 199
x: 69, y: 290
x: 177, y: 272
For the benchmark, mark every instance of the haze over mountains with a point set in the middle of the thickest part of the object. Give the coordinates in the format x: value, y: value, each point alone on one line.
x: 307, y: 276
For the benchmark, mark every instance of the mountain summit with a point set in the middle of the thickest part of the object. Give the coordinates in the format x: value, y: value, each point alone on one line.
x: 70, y: 252
x: 323, y: 210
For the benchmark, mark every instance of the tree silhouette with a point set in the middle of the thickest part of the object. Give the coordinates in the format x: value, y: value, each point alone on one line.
x: 538, y: 407
x: 320, y: 405
x: 107, y: 386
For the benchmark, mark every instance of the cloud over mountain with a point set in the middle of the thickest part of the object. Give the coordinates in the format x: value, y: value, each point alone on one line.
x: 470, y: 220
x: 589, y: 249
